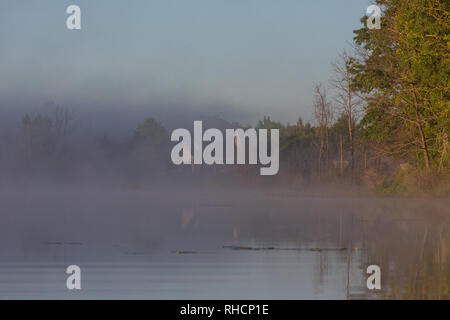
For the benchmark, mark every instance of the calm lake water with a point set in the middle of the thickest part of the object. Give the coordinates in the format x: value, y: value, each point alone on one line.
x: 221, y: 244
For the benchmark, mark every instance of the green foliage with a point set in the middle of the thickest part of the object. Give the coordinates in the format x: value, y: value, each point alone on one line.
x: 296, y: 142
x: 151, y: 133
x: 405, y: 70
x: 408, y: 180
x: 266, y: 123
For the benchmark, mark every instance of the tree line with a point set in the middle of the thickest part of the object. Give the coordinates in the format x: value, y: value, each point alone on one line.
x: 384, y: 113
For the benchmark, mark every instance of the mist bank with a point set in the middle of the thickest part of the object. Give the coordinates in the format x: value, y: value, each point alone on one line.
x: 54, y: 147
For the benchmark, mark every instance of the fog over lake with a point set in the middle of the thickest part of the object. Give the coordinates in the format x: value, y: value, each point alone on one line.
x: 204, y: 149
x: 220, y: 243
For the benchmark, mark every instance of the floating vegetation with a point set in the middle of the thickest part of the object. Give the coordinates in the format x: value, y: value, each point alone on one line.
x: 53, y: 243
x: 58, y: 243
x: 287, y: 249
x: 134, y: 253
x: 184, y: 252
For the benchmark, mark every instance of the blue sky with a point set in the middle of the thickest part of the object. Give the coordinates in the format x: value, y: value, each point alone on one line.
x: 256, y: 56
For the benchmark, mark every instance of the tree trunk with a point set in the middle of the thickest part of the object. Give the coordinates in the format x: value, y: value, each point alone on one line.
x: 327, y: 159
x: 423, y: 140
x: 341, y: 153
x: 424, y: 146
x: 350, y: 132
x: 350, y: 128
x: 365, y: 159
x: 320, y: 159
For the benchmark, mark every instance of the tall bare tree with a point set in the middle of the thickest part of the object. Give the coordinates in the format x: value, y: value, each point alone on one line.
x: 63, y: 124
x: 323, y: 117
x: 346, y: 98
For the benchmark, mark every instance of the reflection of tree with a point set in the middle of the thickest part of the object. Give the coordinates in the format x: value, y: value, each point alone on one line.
x: 408, y: 240
x: 411, y: 247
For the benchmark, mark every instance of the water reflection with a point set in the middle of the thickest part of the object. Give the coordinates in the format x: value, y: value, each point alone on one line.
x: 206, y: 245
